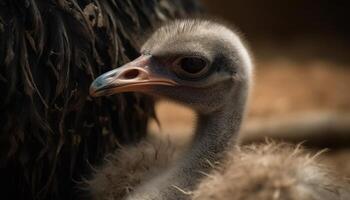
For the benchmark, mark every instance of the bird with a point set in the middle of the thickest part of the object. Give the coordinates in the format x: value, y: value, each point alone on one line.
x: 200, y: 64
x: 205, y: 65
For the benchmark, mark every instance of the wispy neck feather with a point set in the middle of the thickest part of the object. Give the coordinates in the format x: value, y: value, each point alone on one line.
x: 214, y: 134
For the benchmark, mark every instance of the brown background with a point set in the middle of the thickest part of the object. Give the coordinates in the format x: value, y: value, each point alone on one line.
x: 285, y: 19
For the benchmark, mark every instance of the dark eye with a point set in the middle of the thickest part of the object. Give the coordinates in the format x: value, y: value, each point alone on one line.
x: 191, y: 67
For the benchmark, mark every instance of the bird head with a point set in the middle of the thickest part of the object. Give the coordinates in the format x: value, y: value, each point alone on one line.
x: 199, y: 63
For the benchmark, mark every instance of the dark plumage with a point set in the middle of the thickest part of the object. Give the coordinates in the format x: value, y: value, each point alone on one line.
x: 50, y: 51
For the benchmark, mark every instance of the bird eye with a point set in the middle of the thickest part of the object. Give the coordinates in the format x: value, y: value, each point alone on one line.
x: 191, y: 67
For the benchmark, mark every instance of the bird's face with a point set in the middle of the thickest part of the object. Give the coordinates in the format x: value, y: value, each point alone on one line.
x: 190, y: 65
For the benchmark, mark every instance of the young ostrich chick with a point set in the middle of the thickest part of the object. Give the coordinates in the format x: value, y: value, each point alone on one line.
x: 203, y: 65
x: 200, y: 64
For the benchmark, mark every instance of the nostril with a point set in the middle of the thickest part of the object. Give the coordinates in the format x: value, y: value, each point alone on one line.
x: 131, y: 74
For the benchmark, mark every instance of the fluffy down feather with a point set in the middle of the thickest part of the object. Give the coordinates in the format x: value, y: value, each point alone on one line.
x: 272, y: 171
x: 268, y: 171
x: 129, y: 167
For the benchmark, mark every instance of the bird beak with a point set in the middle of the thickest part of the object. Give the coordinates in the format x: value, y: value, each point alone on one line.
x: 131, y: 77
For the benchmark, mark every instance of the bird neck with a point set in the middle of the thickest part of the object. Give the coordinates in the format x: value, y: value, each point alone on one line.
x: 215, y: 132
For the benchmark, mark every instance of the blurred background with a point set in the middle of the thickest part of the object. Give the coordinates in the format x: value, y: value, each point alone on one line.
x: 301, y: 51
x: 302, y: 79
x: 321, y: 25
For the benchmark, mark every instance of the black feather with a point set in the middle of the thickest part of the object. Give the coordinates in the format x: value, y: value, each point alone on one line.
x: 51, y: 131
